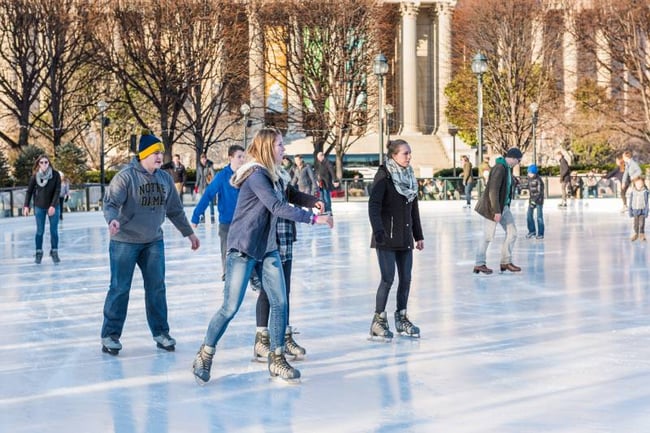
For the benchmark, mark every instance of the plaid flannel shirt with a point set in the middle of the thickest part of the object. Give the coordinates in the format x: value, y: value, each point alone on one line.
x: 286, y: 236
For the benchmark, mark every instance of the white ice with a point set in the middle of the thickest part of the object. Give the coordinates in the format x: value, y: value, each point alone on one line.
x: 564, y: 346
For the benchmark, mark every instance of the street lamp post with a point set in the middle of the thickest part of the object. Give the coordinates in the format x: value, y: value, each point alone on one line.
x: 479, y: 67
x: 245, y: 110
x: 453, y: 130
x: 102, y: 105
x: 380, y: 69
x: 534, y: 108
x: 388, y: 109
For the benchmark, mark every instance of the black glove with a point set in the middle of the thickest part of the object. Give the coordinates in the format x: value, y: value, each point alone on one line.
x: 533, y: 205
x: 380, y: 236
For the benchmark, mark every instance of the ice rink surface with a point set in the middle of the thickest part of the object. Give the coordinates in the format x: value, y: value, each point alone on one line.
x: 564, y: 346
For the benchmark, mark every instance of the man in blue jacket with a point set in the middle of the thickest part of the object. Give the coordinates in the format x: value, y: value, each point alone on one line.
x: 226, y: 195
x: 494, y: 206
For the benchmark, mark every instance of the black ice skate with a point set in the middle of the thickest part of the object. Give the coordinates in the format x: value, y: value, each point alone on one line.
x: 280, y: 369
x: 262, y: 346
x: 111, y: 345
x: 202, y: 364
x: 379, y: 328
x: 165, y: 342
x: 55, y: 256
x: 38, y: 257
x: 291, y: 348
x: 404, y: 326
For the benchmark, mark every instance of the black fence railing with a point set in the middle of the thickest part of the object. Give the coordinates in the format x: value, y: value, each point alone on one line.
x: 87, y: 197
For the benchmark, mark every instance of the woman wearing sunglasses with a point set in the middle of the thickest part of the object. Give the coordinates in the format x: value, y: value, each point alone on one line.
x: 44, y: 188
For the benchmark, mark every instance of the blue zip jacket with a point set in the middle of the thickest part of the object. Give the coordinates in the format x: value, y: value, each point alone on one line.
x: 226, y: 194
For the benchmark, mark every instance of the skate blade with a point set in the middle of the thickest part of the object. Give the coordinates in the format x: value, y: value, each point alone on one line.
x: 404, y: 334
x: 296, y: 357
x: 198, y: 379
x: 380, y: 339
x: 282, y: 381
x: 260, y: 359
x: 167, y: 348
x: 113, y: 352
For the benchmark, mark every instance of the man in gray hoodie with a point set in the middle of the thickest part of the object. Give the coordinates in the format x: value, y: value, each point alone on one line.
x: 135, y: 206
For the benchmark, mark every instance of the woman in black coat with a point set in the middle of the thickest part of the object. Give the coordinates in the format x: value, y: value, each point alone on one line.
x: 395, y: 221
x: 44, y: 187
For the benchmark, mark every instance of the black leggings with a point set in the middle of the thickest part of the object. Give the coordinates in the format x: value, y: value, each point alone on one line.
x: 387, y: 261
x: 263, y: 307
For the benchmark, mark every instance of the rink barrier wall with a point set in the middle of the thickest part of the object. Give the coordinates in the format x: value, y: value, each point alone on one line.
x: 87, y: 197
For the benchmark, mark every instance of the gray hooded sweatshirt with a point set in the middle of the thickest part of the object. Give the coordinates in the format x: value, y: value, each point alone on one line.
x: 140, y: 201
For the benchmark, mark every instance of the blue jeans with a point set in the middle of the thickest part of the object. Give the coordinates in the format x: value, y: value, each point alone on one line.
x: 150, y: 258
x: 327, y: 199
x: 40, y: 215
x: 530, y: 220
x: 468, y: 192
x: 489, y: 227
x: 239, y: 267
x: 388, y: 260
x: 263, y: 307
x: 223, y: 244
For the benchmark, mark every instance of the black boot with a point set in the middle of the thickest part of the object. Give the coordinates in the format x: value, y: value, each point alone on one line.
x: 38, y: 257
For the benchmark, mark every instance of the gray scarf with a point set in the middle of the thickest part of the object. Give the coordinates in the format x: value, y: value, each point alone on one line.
x: 403, y: 179
x: 43, y: 177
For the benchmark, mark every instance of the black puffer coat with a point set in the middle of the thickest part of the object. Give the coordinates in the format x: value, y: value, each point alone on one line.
x: 390, y: 212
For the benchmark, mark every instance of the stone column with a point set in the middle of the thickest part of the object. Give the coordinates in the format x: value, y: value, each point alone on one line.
x: 537, y: 41
x: 444, y: 64
x: 256, y: 72
x: 604, y: 63
x: 409, y: 12
x: 570, y: 60
x: 294, y: 100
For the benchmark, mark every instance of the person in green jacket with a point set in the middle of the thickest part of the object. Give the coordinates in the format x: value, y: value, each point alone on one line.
x: 494, y: 206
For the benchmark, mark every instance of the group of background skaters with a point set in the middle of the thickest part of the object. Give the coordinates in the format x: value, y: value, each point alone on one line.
x: 259, y: 203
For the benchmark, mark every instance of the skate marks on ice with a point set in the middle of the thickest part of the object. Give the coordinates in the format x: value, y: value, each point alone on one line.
x: 561, y: 347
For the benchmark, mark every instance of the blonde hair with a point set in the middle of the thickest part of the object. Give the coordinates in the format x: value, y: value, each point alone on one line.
x: 262, y: 150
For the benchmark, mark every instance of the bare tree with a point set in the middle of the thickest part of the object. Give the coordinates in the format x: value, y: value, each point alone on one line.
x: 24, y: 62
x: 67, y: 25
x: 214, y: 50
x: 617, y: 35
x: 139, y: 43
x: 512, y: 37
x: 322, y: 51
